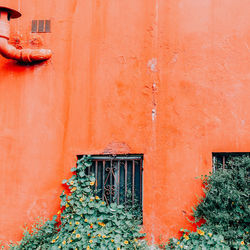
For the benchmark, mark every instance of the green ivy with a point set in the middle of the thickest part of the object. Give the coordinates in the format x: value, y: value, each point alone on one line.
x: 85, y: 221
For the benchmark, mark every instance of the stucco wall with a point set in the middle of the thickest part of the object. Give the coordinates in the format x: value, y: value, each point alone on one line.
x: 166, y: 78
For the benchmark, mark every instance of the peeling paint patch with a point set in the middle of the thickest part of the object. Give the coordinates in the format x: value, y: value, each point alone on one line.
x: 152, y: 64
x: 117, y: 148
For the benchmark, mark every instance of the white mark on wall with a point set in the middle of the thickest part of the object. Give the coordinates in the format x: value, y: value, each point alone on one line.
x: 247, y: 46
x: 154, y: 89
x: 153, y: 114
x: 174, y: 59
x: 37, y: 208
x: 152, y: 64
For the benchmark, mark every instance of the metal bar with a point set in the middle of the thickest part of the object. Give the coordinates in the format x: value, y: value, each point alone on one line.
x: 120, y: 157
x: 118, y: 181
x: 105, y: 198
x: 96, y: 177
x: 110, y: 181
x: 103, y: 178
x: 125, y: 191
x: 223, y: 162
x: 111, y: 190
x: 214, y: 164
x: 133, y: 183
x: 141, y: 181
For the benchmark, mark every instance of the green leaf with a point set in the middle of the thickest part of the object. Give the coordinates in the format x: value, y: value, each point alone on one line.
x: 64, y: 181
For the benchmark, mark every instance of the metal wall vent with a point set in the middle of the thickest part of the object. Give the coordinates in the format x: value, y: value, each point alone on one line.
x: 41, y: 26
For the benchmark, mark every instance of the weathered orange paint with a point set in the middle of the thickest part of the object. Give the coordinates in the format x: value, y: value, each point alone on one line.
x: 169, y: 79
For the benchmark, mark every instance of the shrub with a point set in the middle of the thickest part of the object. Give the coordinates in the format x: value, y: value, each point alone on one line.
x: 225, y: 206
x: 38, y: 237
x: 200, y: 239
x: 225, y: 209
x: 203, y: 239
x: 85, y: 221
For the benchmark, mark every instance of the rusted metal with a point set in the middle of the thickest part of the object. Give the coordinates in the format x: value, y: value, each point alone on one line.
x: 133, y: 182
x: 96, y: 165
x: 141, y: 181
x: 118, y: 182
x: 125, y: 180
x: 103, y: 179
x: 110, y: 181
x: 223, y: 161
x: 119, y: 175
x: 220, y: 159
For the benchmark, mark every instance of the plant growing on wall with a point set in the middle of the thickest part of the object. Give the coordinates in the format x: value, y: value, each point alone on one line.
x: 85, y: 221
x: 225, y: 209
x: 200, y: 240
x: 226, y: 204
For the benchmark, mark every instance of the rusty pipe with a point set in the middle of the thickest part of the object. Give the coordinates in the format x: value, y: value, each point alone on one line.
x: 10, y: 52
x: 23, y: 55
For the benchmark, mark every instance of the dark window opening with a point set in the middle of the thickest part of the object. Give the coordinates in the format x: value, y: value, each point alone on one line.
x: 41, y: 26
x: 119, y: 179
x: 220, y: 160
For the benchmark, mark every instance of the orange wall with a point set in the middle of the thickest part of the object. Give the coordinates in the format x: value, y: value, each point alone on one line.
x: 166, y: 78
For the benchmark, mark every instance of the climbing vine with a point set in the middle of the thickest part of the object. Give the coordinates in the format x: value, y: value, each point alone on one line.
x: 84, y: 220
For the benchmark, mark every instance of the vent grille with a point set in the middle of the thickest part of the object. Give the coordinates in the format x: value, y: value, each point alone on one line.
x: 41, y: 26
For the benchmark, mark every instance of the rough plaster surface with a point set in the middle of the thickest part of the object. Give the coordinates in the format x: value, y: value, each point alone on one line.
x: 168, y: 78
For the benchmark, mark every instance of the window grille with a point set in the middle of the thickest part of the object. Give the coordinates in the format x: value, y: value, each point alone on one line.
x: 118, y: 178
x: 220, y: 159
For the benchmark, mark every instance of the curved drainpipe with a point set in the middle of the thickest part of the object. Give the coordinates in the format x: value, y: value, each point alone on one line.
x: 10, y: 52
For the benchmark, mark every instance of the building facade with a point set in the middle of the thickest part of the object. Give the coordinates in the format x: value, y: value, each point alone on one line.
x: 168, y: 79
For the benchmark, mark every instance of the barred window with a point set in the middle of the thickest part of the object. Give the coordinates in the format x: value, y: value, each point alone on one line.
x: 220, y: 160
x: 118, y: 178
